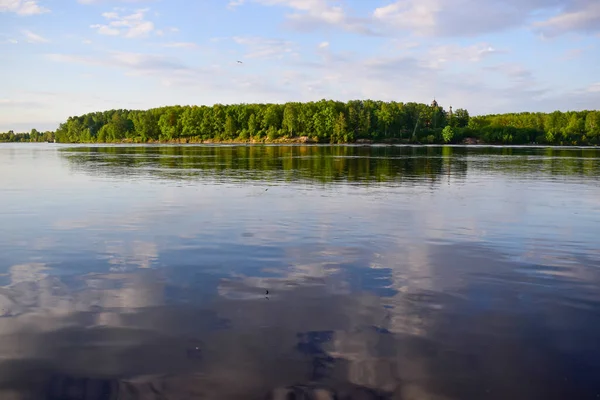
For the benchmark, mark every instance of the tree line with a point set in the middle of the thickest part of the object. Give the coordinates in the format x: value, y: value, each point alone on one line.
x: 324, y: 121
x: 33, y: 136
x: 556, y: 128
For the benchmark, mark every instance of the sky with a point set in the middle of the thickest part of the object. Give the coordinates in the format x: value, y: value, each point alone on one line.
x: 60, y: 58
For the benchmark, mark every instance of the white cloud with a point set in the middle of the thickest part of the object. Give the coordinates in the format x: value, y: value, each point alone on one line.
x: 216, y: 79
x: 457, y: 17
x: 235, y: 3
x: 129, y: 26
x: 512, y: 70
x: 582, y: 16
x: 571, y: 54
x: 443, y: 17
x: 517, y: 80
x: 586, y: 98
x: 147, y: 61
x: 168, y: 71
x: 594, y: 88
x: 417, y: 76
x: 473, y: 17
x: 181, y: 45
x: 18, y: 103
x: 110, y: 15
x: 454, y: 53
x: 398, y: 75
x: 22, y: 7
x: 317, y: 14
x: 323, y: 45
x: 137, y: 62
x: 106, y: 30
x: 140, y: 30
x: 438, y: 17
x: 265, y: 48
x: 34, y: 38
x: 415, y: 15
x: 107, y: 1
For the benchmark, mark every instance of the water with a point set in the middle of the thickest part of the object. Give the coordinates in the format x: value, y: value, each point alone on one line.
x: 240, y: 271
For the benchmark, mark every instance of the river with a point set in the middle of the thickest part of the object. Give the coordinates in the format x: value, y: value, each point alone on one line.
x: 242, y: 272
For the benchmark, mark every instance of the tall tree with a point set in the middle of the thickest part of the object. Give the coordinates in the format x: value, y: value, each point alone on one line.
x: 230, y: 128
x: 462, y: 117
x: 290, y: 118
x: 340, y: 129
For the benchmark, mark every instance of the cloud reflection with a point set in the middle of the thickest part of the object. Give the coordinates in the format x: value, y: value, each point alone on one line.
x: 414, y: 282
x: 454, y: 307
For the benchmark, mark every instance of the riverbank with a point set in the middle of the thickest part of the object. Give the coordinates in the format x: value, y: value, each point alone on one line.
x: 311, y: 141
x: 295, y: 141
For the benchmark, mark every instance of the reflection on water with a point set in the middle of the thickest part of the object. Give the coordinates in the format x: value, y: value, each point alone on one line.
x: 164, y: 272
x: 329, y: 163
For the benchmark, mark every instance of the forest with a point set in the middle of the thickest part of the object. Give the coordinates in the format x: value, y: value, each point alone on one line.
x: 324, y: 121
x: 33, y: 136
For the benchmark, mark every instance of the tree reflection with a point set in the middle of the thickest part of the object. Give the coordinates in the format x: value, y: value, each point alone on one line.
x: 328, y: 164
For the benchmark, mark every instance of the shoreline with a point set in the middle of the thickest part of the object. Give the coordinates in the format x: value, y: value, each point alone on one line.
x: 304, y: 141
x: 267, y: 143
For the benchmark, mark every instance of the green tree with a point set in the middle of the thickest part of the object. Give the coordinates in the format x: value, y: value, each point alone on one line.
x: 272, y: 117
x: 145, y: 125
x: 592, y: 124
x: 252, y: 125
x: 576, y: 125
x: 230, y: 128
x: 118, y: 127
x: 34, y: 135
x: 218, y: 120
x: 462, y: 117
x: 340, y: 129
x: 207, y: 127
x: 385, y: 117
x: 362, y: 119
x: 290, y: 118
x: 323, y: 122
x: 169, y: 123
x: 448, y: 134
x: 191, y: 121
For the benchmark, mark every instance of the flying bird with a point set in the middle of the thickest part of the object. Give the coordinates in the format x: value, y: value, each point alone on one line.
x: 239, y: 62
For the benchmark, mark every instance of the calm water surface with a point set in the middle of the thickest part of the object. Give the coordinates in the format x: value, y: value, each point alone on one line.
x: 166, y: 272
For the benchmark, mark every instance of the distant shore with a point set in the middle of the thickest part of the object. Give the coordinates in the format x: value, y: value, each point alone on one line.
x: 325, y: 121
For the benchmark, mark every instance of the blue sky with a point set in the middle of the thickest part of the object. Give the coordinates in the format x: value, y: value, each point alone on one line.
x: 68, y: 57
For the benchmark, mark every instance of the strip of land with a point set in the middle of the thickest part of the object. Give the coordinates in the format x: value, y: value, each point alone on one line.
x: 325, y: 121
